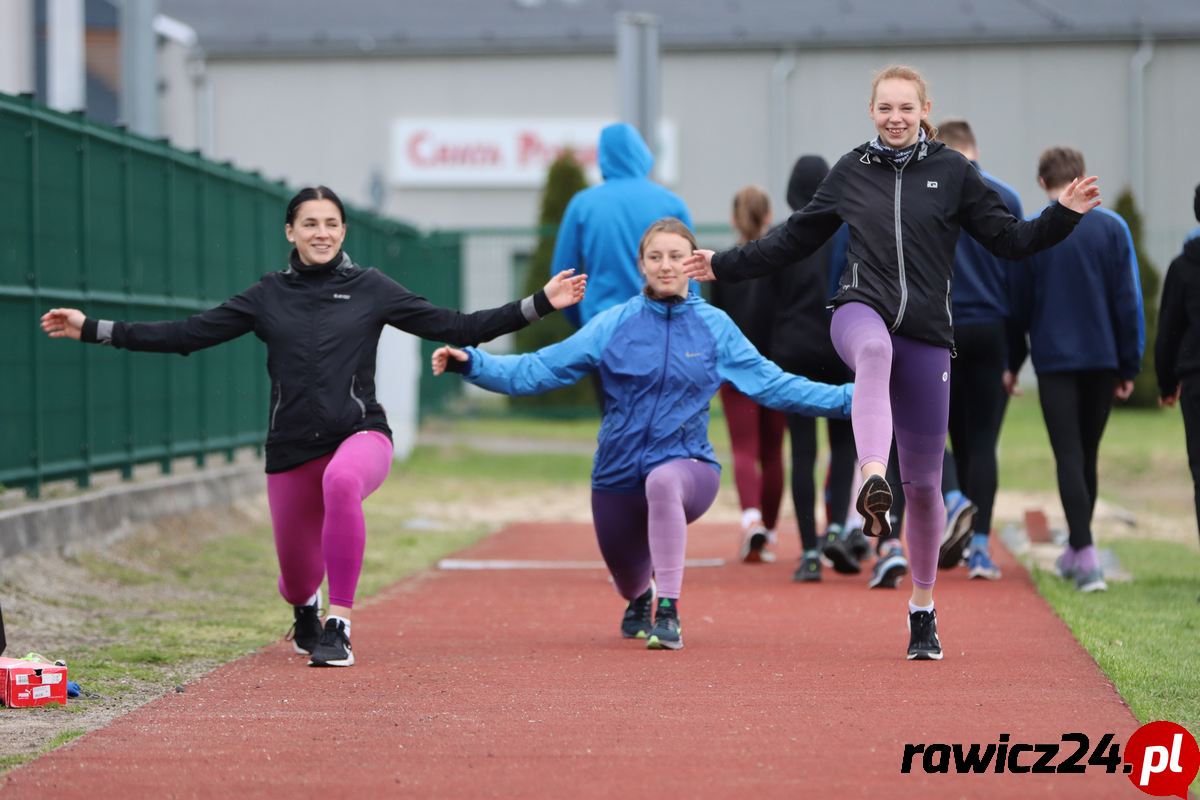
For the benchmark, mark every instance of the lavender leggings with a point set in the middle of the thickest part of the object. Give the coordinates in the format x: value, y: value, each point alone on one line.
x: 640, y: 533
x: 316, y: 510
x: 902, y: 382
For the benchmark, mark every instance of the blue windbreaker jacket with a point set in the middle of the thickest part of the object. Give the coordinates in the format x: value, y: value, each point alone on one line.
x: 981, y: 279
x: 603, y: 225
x: 660, y: 363
x: 1080, y: 302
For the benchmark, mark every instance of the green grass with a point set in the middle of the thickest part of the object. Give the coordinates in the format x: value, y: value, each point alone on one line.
x: 1144, y: 634
x: 1139, y: 446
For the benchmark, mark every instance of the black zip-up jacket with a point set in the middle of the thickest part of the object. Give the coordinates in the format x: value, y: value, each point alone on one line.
x: 321, y: 327
x: 904, y: 223
x: 1177, y: 346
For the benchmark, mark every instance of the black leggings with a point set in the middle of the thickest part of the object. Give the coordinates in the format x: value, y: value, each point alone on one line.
x: 977, y: 404
x: 1189, y: 404
x: 1075, y: 406
x: 843, y: 459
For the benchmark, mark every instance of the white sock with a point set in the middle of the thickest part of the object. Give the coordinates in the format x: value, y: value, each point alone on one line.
x: 913, y: 608
x: 343, y: 620
x: 751, y: 517
x: 315, y: 600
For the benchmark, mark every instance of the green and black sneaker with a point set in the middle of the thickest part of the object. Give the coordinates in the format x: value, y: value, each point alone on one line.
x: 666, y: 633
x: 809, y: 570
x: 639, y: 615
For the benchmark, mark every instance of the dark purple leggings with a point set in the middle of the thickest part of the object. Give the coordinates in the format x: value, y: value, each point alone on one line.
x: 640, y: 533
x: 906, y: 383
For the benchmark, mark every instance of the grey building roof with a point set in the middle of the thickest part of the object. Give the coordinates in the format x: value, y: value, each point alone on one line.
x: 305, y: 28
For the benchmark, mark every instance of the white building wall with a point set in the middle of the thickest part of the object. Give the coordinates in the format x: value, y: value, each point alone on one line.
x: 329, y: 120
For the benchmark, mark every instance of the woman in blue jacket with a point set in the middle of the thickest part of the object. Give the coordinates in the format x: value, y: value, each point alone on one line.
x: 660, y: 356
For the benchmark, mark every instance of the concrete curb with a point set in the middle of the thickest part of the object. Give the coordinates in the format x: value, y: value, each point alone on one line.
x: 92, y: 515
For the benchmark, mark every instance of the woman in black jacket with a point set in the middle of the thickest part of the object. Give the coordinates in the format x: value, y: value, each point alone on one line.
x: 1177, y: 348
x: 905, y: 198
x: 329, y: 445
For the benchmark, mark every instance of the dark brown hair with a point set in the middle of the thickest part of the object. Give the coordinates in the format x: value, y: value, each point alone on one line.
x: 1058, y: 166
x: 313, y: 193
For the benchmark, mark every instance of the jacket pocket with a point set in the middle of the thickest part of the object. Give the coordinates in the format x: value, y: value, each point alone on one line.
x: 949, y: 313
x: 362, y: 407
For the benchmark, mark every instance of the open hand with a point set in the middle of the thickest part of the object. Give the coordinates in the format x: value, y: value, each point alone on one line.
x: 443, y: 354
x: 63, y: 323
x: 698, y: 266
x: 1081, y: 196
x: 564, y: 290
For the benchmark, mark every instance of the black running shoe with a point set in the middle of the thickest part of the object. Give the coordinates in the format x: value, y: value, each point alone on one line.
x: 860, y: 545
x: 639, y: 615
x: 666, y: 634
x: 874, y: 502
x: 837, y: 550
x: 333, y: 650
x: 809, y: 570
x: 306, y: 629
x: 923, y: 644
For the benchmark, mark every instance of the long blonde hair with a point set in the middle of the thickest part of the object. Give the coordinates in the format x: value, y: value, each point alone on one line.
x: 751, y: 212
x: 906, y: 73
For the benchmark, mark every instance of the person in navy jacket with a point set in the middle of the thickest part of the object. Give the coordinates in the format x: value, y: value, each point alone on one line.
x: 1080, y: 303
x: 977, y: 397
x: 661, y: 357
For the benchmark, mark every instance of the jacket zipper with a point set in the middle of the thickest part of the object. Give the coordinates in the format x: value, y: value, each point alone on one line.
x: 854, y: 276
x: 900, y: 241
x: 278, y: 402
x: 662, y: 381
x: 362, y: 408
x: 949, y: 313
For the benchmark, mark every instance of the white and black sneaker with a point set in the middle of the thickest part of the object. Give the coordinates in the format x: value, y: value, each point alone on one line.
x: 923, y: 644
x: 333, y: 649
x: 306, y: 629
x: 754, y: 548
x: 874, y: 502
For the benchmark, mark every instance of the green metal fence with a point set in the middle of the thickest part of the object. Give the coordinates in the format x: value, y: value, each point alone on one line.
x: 130, y: 228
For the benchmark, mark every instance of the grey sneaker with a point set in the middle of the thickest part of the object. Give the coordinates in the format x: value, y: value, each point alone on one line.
x: 809, y: 570
x: 1091, y: 581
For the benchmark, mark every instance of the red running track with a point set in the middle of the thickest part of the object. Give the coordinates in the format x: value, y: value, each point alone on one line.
x: 517, y: 684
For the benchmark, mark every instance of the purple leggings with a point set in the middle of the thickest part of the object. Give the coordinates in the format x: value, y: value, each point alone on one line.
x: 902, y: 382
x: 640, y: 533
x: 316, y: 510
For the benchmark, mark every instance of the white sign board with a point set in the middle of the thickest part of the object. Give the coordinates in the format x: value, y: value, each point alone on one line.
x: 459, y: 153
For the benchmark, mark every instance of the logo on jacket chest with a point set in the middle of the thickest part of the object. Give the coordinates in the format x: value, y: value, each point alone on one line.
x: 930, y: 184
x: 337, y: 296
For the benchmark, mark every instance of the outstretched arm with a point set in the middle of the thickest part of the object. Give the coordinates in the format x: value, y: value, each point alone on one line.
x: 983, y: 214
x: 552, y: 367
x: 756, y: 377
x: 798, y: 237
x: 233, y: 318
x: 416, y: 315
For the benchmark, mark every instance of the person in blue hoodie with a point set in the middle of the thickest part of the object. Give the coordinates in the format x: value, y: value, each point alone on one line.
x: 661, y: 356
x: 602, y: 226
x: 977, y: 397
x: 1080, y: 302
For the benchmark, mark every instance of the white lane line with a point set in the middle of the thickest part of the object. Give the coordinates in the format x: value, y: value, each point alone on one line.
x: 503, y: 563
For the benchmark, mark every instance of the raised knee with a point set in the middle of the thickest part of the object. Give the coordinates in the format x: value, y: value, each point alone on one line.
x: 875, y: 349
x: 661, y: 487
x: 341, y: 484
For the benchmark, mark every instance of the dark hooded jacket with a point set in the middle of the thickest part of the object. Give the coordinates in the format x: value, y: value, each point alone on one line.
x: 904, y: 224
x: 800, y: 325
x: 1177, y: 346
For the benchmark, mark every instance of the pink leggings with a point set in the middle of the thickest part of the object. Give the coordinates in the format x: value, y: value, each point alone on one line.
x: 316, y: 510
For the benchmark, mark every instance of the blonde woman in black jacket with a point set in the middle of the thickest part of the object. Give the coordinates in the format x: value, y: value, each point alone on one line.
x: 905, y: 197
